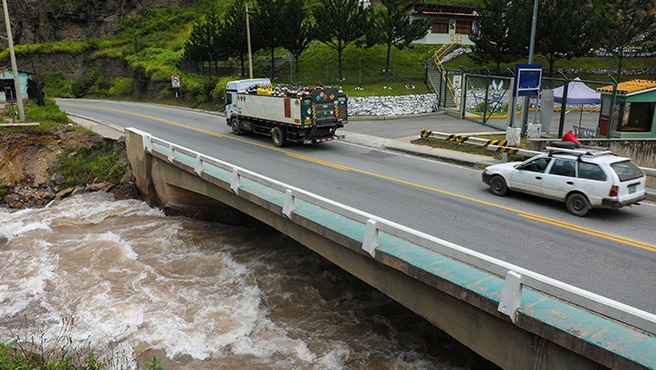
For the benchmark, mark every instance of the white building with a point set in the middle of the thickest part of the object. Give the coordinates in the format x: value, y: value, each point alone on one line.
x: 448, y: 20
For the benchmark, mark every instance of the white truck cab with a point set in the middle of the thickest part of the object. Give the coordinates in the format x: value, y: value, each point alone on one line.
x: 240, y: 87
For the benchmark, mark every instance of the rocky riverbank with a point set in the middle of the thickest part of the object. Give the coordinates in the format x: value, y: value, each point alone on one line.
x: 28, y: 167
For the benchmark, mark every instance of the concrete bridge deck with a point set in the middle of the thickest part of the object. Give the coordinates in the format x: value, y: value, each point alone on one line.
x: 513, y: 317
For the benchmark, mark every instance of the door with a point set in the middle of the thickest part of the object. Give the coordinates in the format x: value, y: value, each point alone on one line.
x: 529, y: 175
x: 560, y: 179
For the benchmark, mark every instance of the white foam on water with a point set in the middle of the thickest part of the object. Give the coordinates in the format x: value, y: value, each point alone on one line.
x: 141, y: 281
x: 13, y: 224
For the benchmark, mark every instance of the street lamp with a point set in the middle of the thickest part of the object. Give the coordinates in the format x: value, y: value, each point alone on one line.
x: 12, y: 55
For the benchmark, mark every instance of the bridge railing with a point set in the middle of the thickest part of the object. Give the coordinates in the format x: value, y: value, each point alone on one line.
x: 516, y: 278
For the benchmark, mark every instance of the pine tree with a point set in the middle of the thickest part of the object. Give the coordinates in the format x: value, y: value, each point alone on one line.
x: 501, y: 34
x: 390, y: 25
x: 627, y: 23
x: 297, y: 31
x: 340, y: 22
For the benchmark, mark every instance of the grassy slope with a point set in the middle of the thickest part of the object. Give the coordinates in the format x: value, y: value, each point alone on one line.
x: 154, y: 41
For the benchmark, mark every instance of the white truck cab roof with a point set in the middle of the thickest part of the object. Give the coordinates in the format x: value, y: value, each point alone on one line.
x: 241, y: 85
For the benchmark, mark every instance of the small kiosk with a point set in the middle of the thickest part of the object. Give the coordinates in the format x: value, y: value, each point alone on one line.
x: 632, y: 115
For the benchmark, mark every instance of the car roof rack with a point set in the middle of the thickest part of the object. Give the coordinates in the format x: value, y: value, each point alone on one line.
x: 580, y: 151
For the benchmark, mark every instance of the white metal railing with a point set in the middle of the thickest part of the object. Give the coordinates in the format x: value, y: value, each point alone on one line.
x: 515, y: 277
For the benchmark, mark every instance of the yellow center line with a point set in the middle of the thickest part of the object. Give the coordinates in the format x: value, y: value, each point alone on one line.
x: 530, y: 216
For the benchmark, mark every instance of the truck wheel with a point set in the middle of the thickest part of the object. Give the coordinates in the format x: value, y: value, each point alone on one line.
x: 236, y: 127
x: 278, y: 137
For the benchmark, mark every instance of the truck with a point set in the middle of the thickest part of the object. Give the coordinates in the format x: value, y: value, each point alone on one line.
x: 289, y: 114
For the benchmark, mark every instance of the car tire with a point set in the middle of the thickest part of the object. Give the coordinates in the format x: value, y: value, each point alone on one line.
x: 278, y: 137
x: 577, y: 204
x: 235, y: 126
x: 498, y: 186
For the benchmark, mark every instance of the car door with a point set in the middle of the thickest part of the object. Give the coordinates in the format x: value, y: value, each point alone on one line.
x: 529, y: 175
x: 560, y: 179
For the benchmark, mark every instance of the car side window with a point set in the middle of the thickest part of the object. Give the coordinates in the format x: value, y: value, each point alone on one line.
x: 563, y: 167
x: 536, y: 165
x: 591, y: 171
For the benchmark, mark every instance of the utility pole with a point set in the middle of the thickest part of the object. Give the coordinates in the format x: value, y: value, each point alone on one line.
x: 531, y: 50
x: 248, y: 37
x: 12, y: 55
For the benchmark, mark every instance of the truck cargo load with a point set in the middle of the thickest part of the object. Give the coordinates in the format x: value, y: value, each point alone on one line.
x: 287, y: 113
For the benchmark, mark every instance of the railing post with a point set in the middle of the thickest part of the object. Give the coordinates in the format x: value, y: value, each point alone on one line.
x: 198, y: 167
x: 171, y: 152
x: 289, y: 205
x: 371, y: 241
x: 511, y: 295
x: 235, y: 182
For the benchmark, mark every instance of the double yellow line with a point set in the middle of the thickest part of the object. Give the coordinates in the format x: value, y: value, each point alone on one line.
x: 530, y: 216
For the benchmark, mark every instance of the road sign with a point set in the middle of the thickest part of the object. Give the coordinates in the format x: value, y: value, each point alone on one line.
x: 175, y: 82
x: 528, y: 80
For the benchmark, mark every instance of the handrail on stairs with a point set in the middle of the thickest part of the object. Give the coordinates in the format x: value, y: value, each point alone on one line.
x: 454, y: 41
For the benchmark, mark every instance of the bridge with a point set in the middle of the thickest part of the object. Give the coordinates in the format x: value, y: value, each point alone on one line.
x: 510, y: 315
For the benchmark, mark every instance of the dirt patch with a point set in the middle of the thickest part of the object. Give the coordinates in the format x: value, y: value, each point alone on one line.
x: 28, y: 160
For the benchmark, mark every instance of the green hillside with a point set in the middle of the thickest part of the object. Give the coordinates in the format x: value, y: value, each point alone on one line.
x: 151, y: 46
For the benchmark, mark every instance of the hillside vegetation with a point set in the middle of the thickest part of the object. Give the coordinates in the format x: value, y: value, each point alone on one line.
x: 148, y: 47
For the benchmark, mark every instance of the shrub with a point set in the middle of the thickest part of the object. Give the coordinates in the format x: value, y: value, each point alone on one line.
x: 98, y: 163
x: 81, y: 85
x: 121, y: 86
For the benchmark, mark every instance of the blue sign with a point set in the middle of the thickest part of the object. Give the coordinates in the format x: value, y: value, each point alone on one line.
x: 528, y: 80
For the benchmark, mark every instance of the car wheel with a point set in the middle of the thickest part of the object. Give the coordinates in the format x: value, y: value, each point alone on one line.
x: 278, y: 137
x: 236, y: 127
x: 498, y: 186
x: 577, y: 204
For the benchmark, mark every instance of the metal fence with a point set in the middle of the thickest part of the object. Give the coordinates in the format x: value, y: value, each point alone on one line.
x: 486, y: 98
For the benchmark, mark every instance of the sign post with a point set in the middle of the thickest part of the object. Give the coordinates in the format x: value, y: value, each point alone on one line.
x: 527, y: 83
x: 175, y: 83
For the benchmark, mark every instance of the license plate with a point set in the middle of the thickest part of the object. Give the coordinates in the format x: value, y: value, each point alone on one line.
x: 632, y: 188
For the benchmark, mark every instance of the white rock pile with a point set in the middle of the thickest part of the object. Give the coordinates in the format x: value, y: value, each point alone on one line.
x: 392, y: 105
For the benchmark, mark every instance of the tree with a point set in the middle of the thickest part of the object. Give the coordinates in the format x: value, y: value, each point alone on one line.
x: 266, y: 25
x: 626, y: 23
x: 234, y: 39
x: 390, y: 25
x: 564, y: 29
x: 204, y: 42
x: 297, y: 31
x: 499, y: 37
x: 340, y: 22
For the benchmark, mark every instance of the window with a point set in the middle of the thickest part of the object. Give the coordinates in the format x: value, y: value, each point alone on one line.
x: 627, y: 170
x: 440, y: 26
x: 563, y: 167
x: 536, y: 165
x: 228, y: 97
x: 591, y: 171
x: 463, y: 27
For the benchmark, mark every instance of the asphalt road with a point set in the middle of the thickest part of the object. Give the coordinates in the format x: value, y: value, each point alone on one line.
x: 611, y: 253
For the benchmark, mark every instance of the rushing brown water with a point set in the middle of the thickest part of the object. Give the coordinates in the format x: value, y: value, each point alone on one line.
x: 131, y: 283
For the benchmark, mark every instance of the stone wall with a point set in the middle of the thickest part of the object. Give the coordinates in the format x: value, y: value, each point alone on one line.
x: 392, y: 105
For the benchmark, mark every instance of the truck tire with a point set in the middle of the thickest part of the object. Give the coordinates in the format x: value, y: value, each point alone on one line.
x: 278, y: 137
x: 235, y: 126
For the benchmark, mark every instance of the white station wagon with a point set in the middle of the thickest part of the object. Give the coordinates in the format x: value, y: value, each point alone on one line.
x: 583, y: 178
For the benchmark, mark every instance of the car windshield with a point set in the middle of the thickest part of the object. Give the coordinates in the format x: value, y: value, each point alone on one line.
x: 627, y: 170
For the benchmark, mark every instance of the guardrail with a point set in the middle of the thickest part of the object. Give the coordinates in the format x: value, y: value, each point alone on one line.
x: 516, y: 278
